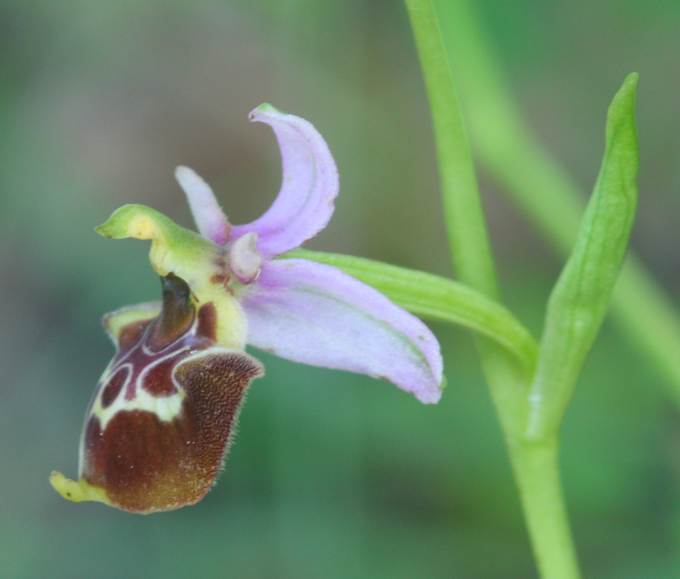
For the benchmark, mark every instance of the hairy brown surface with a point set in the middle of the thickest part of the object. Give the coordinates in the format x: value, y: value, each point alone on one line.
x: 146, y: 464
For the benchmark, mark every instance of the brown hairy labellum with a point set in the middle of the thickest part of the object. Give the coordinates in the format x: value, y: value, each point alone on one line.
x: 159, y: 425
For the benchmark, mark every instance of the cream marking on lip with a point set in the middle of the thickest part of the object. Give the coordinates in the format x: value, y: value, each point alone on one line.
x: 139, y: 384
x: 165, y: 407
x: 140, y: 345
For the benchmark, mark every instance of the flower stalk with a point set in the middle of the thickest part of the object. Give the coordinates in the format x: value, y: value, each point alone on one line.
x: 536, y: 468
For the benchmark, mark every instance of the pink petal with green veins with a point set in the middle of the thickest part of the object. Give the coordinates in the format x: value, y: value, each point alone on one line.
x: 304, y: 204
x: 211, y: 221
x: 318, y: 315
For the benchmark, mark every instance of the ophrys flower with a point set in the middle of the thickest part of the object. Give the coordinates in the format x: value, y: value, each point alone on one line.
x: 159, y: 424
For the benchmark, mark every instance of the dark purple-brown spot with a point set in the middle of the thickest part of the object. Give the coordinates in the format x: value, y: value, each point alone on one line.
x: 131, y: 334
x: 158, y: 380
x: 114, y: 385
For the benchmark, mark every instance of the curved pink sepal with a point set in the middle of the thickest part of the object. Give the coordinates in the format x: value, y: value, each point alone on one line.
x: 318, y: 315
x: 310, y: 184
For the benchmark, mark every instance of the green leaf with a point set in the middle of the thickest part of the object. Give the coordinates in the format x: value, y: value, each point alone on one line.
x: 436, y: 298
x: 581, y: 297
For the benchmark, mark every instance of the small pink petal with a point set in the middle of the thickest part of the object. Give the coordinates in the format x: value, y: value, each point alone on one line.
x: 244, y: 259
x: 211, y: 221
x: 318, y: 315
x: 304, y: 204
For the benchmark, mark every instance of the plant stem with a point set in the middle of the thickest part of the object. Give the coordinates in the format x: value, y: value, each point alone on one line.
x: 535, y: 468
x: 463, y: 212
x: 537, y: 472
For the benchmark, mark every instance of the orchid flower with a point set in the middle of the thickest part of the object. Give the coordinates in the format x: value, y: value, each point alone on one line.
x: 159, y: 425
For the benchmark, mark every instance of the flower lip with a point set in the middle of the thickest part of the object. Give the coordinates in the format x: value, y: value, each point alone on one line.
x: 159, y: 425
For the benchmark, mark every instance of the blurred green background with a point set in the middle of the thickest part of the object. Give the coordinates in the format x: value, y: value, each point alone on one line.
x: 332, y: 475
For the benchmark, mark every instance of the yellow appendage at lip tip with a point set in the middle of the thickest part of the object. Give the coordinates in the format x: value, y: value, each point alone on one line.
x: 77, y: 491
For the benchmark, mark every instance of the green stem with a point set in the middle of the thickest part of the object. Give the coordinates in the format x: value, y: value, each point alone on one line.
x: 546, y: 193
x: 463, y: 212
x: 537, y: 472
x: 538, y: 480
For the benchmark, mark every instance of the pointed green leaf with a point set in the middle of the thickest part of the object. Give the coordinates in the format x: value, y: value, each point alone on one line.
x: 583, y: 291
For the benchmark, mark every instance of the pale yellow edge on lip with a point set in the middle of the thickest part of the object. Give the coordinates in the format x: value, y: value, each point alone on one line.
x: 77, y: 491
